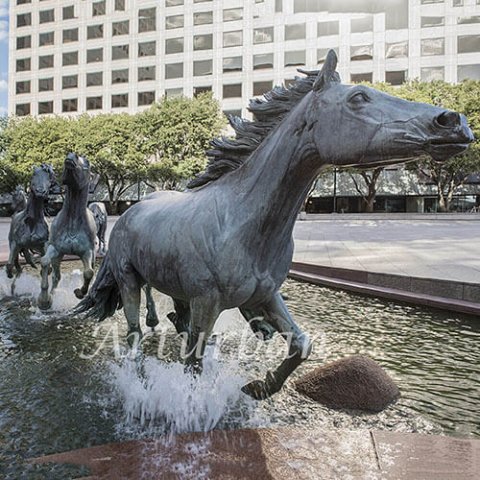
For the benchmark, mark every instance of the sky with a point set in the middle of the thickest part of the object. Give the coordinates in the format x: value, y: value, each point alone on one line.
x: 3, y: 55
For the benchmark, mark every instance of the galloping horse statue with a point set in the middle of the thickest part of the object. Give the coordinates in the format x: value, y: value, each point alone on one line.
x: 73, y: 230
x: 29, y: 231
x: 227, y: 242
x: 19, y: 200
x: 100, y: 216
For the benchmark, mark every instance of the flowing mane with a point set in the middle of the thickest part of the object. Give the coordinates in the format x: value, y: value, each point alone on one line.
x: 228, y: 154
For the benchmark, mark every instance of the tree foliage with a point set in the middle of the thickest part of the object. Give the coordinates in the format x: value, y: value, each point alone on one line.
x: 165, y: 143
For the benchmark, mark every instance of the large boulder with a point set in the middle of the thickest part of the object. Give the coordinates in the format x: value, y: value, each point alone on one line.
x: 356, y: 383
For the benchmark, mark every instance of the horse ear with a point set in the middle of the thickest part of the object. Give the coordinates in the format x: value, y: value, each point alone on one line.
x: 327, y: 74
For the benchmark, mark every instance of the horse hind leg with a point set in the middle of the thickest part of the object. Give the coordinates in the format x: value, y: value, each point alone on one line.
x: 88, y: 272
x: 258, y: 324
x: 152, y: 317
x: 57, y: 274
x: 277, y: 314
x: 130, y: 289
x: 181, y: 316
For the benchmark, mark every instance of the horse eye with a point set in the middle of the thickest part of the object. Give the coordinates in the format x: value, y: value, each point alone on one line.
x: 358, y: 98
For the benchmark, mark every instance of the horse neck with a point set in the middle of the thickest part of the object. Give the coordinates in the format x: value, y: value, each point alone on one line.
x: 35, y: 208
x: 272, y: 185
x: 75, y: 204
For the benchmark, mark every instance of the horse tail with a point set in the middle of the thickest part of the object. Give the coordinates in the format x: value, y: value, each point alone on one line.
x: 104, y: 298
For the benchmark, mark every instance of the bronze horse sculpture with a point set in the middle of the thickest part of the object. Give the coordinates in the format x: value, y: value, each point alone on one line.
x: 19, y: 200
x: 227, y: 242
x: 100, y: 216
x: 29, y: 230
x: 73, y: 230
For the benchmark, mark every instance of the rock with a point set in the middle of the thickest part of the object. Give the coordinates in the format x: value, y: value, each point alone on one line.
x: 356, y: 383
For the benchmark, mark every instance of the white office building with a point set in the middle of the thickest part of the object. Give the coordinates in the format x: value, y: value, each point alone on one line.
x: 77, y: 56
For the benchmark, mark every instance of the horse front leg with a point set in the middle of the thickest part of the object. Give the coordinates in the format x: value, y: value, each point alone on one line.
x: 277, y: 314
x: 45, y: 299
x: 13, y: 260
x: 88, y: 272
x: 57, y: 274
x: 203, y: 314
x: 152, y: 317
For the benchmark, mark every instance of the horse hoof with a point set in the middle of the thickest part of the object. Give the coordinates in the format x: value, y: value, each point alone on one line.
x: 152, y: 322
x: 261, y: 390
x: 133, y: 338
x: 78, y: 293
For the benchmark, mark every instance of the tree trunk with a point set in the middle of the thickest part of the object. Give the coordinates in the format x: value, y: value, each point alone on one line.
x: 442, y: 203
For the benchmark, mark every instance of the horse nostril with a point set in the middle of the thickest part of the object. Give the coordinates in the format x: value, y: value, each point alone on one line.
x: 448, y: 119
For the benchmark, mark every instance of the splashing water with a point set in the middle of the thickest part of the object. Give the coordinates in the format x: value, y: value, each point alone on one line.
x: 160, y: 393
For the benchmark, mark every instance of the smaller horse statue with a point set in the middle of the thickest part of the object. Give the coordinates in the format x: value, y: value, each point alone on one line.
x: 73, y: 230
x: 19, y: 200
x: 100, y: 215
x: 29, y: 230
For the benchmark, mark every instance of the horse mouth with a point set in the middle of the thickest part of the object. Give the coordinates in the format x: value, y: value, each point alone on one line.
x: 443, y: 150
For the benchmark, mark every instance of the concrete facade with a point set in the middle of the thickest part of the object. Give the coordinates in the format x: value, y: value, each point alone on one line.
x: 90, y: 56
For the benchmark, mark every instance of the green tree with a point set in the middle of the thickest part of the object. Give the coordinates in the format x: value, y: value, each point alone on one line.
x: 175, y: 135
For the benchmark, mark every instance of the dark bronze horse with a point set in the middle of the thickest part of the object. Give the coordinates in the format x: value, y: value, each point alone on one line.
x: 228, y: 242
x: 73, y: 230
x: 29, y: 230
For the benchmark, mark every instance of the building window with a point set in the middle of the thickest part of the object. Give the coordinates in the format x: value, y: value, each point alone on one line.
x: 432, y: 46
x: 295, y: 58
x: 47, y: 38
x: 458, y: 3
x: 202, y: 18
x: 396, y: 50
x: 24, y: 42
x: 69, y: 58
x: 468, y: 43
x: 259, y: 88
x: 45, y: 61
x: 120, y: 52
x: 147, y: 49
x: 22, y: 109
x: 173, y: 3
x: 94, y: 55
x: 173, y: 92
x: 120, y: 5
x: 69, y: 81
x: 232, y: 64
x: 94, y: 103
x: 120, y: 100
x: 361, y: 77
x: 262, y: 60
x: 70, y: 105
x: 465, y: 72
x: 145, y: 98
x: 23, y: 2
x: 98, y: 8
x: 68, y: 12
x: 47, y: 16
x: 147, y: 20
x: 232, y: 14
x: 468, y: 20
x: 23, y: 65
x: 432, y: 74
x: 232, y: 91
x: 360, y: 25
x: 173, y: 45
x: 45, y: 107
x: 427, y: 22
x: 426, y: 2
x: 45, y: 84
x: 322, y: 54
x: 202, y: 67
x: 24, y: 20
x: 325, y: 29
x: 233, y: 39
x: 120, y: 76
x: 146, y: 74
x: 94, y: 31
x: 263, y: 35
x: 120, y: 28
x: 396, y: 77
x: 203, y: 42
x: 22, y: 87
x: 94, y: 79
x: 199, y: 90
x: 70, y: 35
x: 361, y: 52
x: 174, y: 21
x: 295, y: 32
x: 173, y: 70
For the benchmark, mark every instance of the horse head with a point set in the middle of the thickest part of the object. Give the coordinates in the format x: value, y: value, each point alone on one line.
x: 76, y: 172
x: 42, y: 180
x: 374, y: 129
x: 19, y: 199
